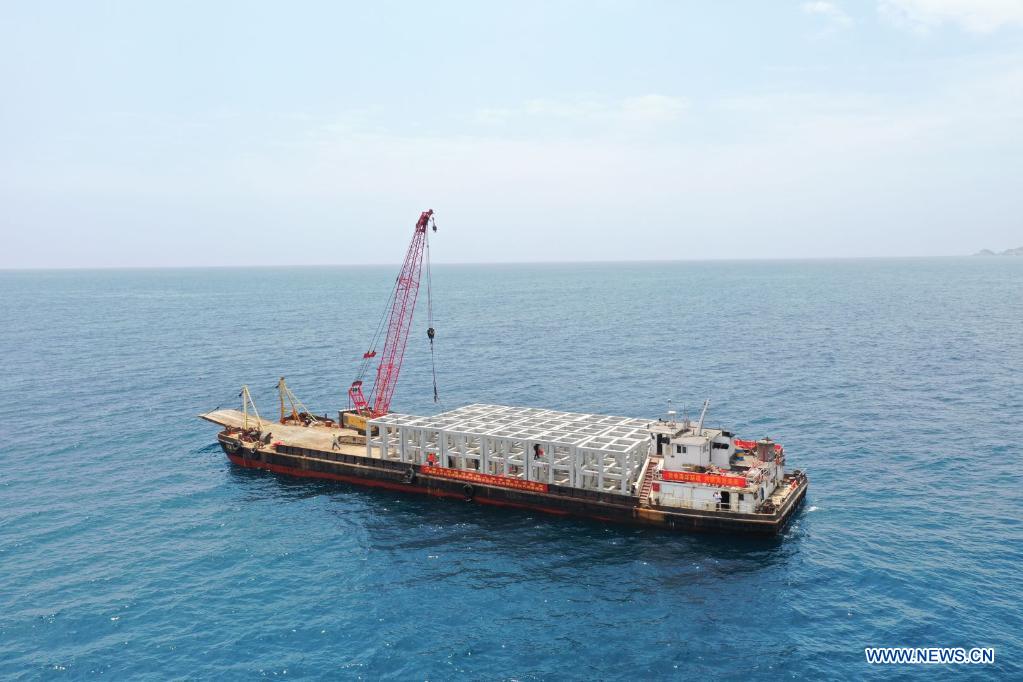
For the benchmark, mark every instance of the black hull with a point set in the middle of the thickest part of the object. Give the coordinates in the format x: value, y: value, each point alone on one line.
x: 557, y: 500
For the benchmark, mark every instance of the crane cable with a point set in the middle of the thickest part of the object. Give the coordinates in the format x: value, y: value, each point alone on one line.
x: 430, y: 331
x: 368, y: 356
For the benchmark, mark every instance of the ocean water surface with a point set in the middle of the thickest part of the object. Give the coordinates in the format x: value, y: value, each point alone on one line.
x: 131, y: 548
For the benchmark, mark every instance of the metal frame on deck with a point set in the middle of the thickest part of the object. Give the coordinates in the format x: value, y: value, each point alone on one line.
x: 589, y: 451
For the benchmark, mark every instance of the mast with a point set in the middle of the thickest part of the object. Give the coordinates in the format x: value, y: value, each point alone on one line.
x: 246, y: 404
x: 298, y: 409
x: 703, y: 413
x: 280, y: 394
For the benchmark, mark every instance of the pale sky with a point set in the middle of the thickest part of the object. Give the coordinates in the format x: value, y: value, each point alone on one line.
x: 216, y: 133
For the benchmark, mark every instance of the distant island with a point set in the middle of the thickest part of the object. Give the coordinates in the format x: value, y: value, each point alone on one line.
x: 1018, y: 251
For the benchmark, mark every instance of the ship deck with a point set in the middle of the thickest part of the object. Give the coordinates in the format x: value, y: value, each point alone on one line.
x: 312, y: 437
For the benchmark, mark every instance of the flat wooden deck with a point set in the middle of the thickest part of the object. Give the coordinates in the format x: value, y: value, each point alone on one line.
x: 315, y: 437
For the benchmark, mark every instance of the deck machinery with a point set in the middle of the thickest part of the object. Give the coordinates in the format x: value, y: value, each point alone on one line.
x: 393, y: 330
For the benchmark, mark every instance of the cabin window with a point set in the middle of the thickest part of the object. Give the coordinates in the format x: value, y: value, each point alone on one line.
x: 682, y: 449
x: 678, y: 449
x: 720, y: 446
x: 741, y: 497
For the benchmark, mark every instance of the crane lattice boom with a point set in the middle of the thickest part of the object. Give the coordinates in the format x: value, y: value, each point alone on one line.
x: 399, y: 321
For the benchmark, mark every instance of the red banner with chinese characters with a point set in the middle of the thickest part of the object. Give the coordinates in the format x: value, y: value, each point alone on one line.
x: 485, y: 479
x: 752, y: 445
x: 707, y: 479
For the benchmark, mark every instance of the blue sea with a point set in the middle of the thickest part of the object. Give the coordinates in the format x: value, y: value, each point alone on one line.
x: 131, y: 548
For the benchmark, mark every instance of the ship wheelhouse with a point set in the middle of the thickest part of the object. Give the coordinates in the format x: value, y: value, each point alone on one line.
x: 697, y: 467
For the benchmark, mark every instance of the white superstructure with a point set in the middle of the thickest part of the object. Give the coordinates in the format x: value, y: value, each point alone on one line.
x: 703, y: 468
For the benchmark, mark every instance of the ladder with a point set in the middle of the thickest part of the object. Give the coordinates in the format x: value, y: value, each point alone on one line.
x: 648, y: 480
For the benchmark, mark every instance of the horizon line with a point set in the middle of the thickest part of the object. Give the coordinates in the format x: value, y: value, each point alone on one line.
x: 267, y: 266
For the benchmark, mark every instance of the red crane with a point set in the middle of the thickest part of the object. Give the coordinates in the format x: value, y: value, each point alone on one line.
x: 401, y: 304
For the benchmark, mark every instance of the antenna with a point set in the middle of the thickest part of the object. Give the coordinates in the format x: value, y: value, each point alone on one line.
x: 671, y: 413
x: 703, y: 413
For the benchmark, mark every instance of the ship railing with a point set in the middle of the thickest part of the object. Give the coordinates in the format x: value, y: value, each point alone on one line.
x: 715, y: 506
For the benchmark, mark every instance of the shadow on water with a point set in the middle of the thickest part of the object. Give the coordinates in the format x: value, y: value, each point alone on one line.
x: 412, y: 523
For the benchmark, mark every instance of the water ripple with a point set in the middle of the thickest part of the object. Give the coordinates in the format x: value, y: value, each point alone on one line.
x: 131, y: 548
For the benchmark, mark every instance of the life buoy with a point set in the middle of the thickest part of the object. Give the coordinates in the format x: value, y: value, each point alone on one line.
x: 469, y: 492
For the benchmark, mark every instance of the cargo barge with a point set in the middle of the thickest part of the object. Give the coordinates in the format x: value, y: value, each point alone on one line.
x: 665, y: 473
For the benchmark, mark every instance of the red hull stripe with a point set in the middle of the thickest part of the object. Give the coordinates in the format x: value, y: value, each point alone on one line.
x: 389, y: 485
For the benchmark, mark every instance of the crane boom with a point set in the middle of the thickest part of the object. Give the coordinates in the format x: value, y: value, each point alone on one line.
x: 399, y: 321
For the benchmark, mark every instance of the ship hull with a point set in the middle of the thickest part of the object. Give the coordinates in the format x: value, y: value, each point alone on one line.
x: 556, y: 500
